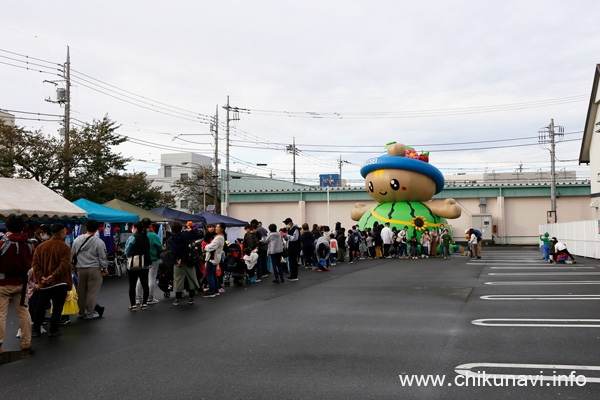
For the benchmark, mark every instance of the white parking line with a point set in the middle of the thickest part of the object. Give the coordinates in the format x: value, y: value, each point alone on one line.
x: 483, y: 260
x: 519, y: 283
x: 543, y: 273
x: 541, y: 297
x: 516, y: 264
x: 548, y: 323
x: 466, y: 370
x: 547, y: 267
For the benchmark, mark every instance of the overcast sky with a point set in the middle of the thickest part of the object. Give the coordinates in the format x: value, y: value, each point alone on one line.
x: 426, y: 74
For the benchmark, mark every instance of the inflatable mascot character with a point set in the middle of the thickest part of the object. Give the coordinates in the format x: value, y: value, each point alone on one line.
x: 403, y: 183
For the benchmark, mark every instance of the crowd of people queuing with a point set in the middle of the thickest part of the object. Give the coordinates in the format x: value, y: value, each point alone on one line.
x: 41, y: 272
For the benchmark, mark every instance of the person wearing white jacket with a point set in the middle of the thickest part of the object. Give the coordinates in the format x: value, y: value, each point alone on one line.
x: 214, y: 248
x: 388, y: 238
x: 275, y: 251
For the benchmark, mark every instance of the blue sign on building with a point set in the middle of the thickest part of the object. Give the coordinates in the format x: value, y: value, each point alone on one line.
x: 329, y: 180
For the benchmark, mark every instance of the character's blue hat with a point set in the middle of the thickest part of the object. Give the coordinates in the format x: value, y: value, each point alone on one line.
x: 386, y: 161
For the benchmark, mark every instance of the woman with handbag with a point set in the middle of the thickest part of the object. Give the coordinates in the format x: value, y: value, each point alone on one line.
x: 137, y: 250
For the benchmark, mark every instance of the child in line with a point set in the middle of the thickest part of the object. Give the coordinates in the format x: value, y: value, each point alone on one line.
x: 333, y: 247
x: 251, y: 258
x: 414, y: 248
x: 425, y: 239
x: 370, y: 245
x: 446, y: 241
x: 552, y: 250
x: 545, y: 247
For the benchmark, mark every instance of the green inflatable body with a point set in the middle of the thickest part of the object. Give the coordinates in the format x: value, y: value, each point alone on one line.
x: 400, y: 214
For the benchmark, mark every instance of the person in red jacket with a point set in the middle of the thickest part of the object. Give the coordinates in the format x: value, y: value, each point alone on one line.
x: 15, y: 261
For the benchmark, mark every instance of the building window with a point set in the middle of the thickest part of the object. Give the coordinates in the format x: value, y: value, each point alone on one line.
x: 184, y: 204
x: 167, y: 193
x: 184, y: 175
x: 167, y: 171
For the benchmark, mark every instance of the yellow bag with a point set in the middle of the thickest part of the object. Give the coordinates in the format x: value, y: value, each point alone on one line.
x: 70, y: 307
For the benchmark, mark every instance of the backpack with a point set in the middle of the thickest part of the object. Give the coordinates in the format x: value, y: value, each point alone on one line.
x: 6, y: 244
x: 352, y: 240
x: 193, y: 254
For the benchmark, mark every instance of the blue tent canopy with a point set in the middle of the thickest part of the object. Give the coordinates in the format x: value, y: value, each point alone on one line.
x: 105, y: 214
x: 212, y: 218
x: 178, y: 215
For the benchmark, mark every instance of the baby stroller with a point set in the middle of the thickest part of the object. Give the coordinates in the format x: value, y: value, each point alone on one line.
x: 234, y: 267
x: 165, y: 273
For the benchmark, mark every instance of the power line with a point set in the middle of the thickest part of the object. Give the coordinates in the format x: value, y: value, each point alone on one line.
x: 38, y: 119
x: 137, y: 95
x: 186, y: 114
x: 33, y: 58
x: 412, y: 145
x: 415, y: 113
x: 30, y: 69
x: 29, y: 63
x: 33, y: 113
x: 433, y: 150
x: 139, y: 105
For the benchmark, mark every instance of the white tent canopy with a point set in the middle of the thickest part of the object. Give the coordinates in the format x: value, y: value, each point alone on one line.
x: 30, y: 199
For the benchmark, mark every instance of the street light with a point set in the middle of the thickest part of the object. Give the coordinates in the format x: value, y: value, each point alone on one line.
x: 203, y: 180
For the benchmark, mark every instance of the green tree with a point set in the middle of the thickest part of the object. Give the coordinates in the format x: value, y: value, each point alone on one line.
x: 89, y: 159
x: 28, y: 154
x: 192, y: 189
x: 166, y: 200
x: 133, y: 188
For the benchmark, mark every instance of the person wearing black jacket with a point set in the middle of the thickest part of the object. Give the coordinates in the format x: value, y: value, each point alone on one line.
x: 294, y: 244
x: 183, y: 267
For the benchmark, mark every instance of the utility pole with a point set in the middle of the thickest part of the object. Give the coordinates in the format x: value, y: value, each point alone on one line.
x: 341, y: 163
x: 292, y: 149
x: 235, y: 117
x: 215, y: 129
x: 227, y: 162
x: 548, y: 136
x: 67, y: 122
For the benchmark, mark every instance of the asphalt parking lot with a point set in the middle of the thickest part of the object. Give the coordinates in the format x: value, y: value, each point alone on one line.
x: 361, y: 330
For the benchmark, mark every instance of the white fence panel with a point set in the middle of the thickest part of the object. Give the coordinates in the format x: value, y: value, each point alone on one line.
x: 581, y: 237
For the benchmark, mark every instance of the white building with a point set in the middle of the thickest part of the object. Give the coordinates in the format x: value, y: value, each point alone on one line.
x: 7, y: 118
x: 172, y: 168
x: 590, y: 145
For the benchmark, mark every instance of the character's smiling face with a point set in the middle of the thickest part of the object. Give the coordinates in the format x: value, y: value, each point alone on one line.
x: 391, y: 185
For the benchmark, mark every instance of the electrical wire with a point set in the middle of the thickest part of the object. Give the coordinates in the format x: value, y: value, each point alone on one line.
x: 412, y: 145
x: 415, y: 113
x: 186, y: 114
x: 434, y: 150
x: 139, y: 105
x: 38, y: 119
x: 28, y: 112
x: 33, y: 58
x: 137, y: 95
x: 30, y: 69
x: 30, y: 63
